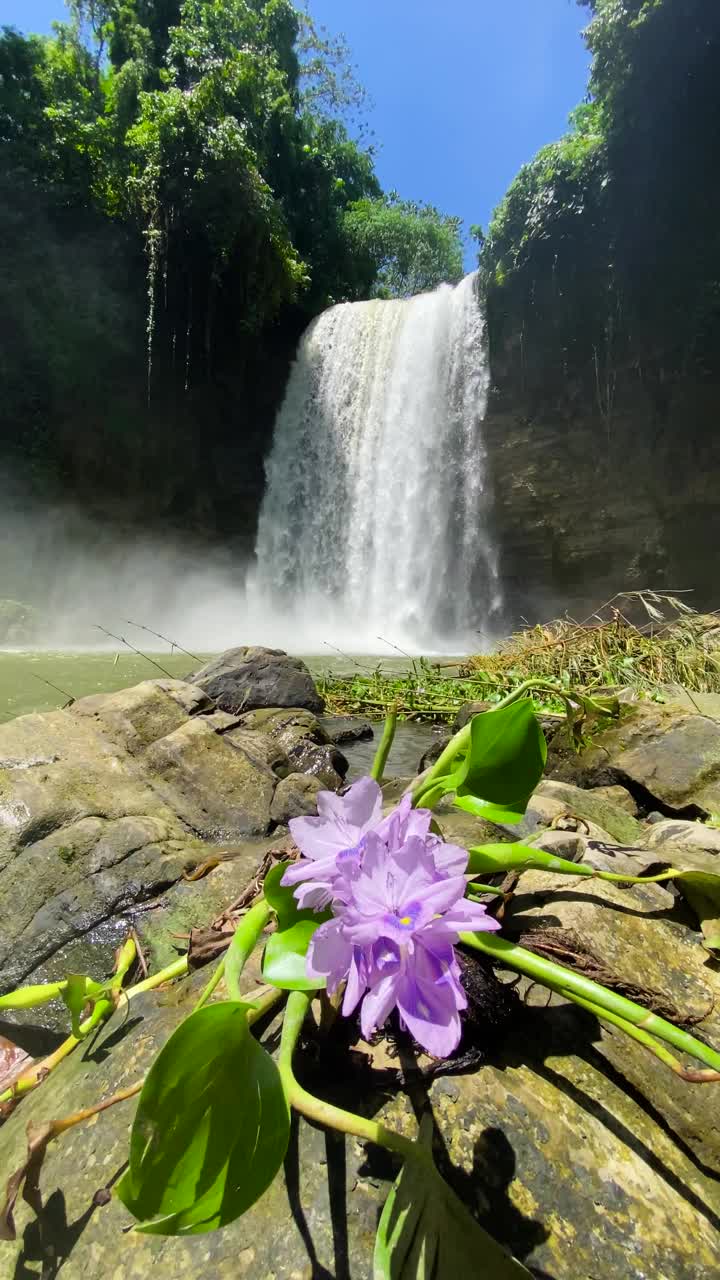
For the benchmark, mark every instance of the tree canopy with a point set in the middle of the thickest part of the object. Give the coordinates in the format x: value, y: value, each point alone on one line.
x: 605, y: 252
x: 218, y: 129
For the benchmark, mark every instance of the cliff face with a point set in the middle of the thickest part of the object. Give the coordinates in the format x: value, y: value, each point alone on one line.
x: 588, y: 503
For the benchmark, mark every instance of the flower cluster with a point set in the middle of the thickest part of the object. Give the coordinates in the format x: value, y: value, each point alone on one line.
x: 397, y: 898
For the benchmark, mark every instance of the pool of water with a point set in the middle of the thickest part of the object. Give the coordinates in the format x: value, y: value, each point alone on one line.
x: 409, y: 744
x: 40, y: 680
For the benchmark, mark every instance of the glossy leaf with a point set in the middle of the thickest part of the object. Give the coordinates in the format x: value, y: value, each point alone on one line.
x: 702, y: 891
x: 211, y: 1128
x: 489, y: 859
x: 504, y: 763
x: 282, y: 900
x: 285, y: 953
x: 426, y: 1233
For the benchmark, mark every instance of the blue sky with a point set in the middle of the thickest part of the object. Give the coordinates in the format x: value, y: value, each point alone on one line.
x: 465, y: 91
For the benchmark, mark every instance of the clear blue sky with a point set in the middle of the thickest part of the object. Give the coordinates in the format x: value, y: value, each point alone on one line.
x: 465, y: 91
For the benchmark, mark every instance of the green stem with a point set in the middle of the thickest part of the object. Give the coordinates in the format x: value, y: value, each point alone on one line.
x: 243, y: 944
x: 31, y: 997
x: 648, y: 1042
x: 573, y: 986
x: 208, y: 990
x: 177, y: 969
x: 383, y: 751
x: 325, y: 1113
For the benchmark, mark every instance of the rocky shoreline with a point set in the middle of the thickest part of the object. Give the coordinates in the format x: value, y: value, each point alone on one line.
x: 153, y: 807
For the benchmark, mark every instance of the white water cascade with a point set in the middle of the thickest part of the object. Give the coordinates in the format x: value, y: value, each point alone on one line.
x: 375, y: 517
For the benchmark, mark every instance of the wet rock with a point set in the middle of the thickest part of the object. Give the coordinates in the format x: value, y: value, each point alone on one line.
x: 296, y: 797
x: 433, y: 753
x: 249, y: 677
x: 287, y: 725
x: 342, y: 729
x: 669, y: 753
x: 328, y: 764
x: 102, y: 806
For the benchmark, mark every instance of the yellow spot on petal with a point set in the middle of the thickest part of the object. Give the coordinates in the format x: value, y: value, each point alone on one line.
x: 405, y: 920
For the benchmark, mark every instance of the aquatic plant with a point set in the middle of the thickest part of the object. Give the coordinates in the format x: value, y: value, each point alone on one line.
x: 368, y: 919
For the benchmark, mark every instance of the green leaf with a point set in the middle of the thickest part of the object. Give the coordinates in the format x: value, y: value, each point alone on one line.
x: 504, y: 763
x: 282, y: 900
x: 702, y: 891
x: 284, y: 959
x: 485, y: 859
x: 211, y: 1128
x: 426, y: 1233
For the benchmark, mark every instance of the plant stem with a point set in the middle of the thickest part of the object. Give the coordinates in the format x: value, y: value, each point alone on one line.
x: 208, y: 990
x: 383, y: 751
x: 243, y: 944
x: 177, y: 969
x: 31, y: 997
x: 648, y: 1042
x: 324, y: 1112
x: 35, y: 1074
x: 573, y: 986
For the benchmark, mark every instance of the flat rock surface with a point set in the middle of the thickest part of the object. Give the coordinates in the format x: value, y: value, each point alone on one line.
x: 546, y: 1143
x: 669, y: 751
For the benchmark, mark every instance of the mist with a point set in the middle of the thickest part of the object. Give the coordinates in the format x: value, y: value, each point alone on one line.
x: 86, y: 576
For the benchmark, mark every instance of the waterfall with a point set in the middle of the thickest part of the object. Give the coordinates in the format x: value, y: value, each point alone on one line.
x: 375, y: 516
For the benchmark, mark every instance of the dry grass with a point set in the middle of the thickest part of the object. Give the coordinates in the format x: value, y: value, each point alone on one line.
x: 640, y: 639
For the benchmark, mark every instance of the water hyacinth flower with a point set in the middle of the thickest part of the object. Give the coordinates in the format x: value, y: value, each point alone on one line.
x: 397, y: 896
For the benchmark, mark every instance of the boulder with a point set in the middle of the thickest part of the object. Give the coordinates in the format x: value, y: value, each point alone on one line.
x: 106, y: 803
x: 249, y: 677
x: 667, y: 754
x: 547, y: 1144
x: 601, y: 810
x: 296, y: 797
x: 211, y: 783
x: 619, y: 796
x: 342, y: 729
x: 676, y: 831
x: 466, y: 713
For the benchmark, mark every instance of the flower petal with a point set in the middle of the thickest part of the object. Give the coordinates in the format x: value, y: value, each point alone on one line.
x: 329, y: 954
x: 428, y: 1004
x: 450, y: 859
x: 377, y: 1004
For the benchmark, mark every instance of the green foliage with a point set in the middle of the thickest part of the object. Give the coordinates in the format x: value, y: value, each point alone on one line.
x: 425, y: 1231
x: 605, y: 253
x: 413, y: 246
x: 286, y: 949
x: 211, y: 1128
x: 502, y: 765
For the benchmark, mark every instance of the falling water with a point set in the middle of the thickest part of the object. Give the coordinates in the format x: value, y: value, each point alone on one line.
x: 375, y: 519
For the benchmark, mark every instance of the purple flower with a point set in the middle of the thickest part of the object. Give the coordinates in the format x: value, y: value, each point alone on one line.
x: 335, y: 834
x: 397, y: 894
